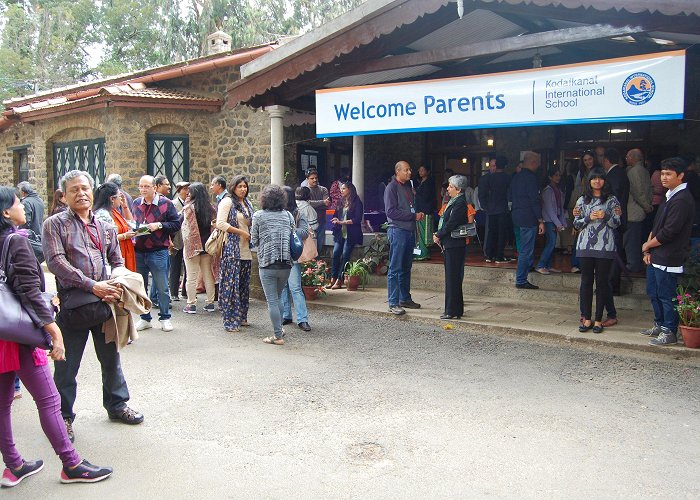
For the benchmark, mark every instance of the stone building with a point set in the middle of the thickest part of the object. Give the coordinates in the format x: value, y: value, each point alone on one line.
x: 170, y: 120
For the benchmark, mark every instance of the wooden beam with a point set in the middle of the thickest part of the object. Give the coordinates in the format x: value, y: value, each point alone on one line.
x: 344, y: 64
x: 649, y: 21
x: 536, y: 40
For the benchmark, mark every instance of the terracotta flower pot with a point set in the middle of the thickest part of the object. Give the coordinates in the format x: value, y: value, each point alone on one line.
x: 691, y: 336
x: 353, y: 283
x: 310, y: 292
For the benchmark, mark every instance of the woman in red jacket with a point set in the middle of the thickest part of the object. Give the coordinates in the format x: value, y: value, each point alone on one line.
x: 31, y: 364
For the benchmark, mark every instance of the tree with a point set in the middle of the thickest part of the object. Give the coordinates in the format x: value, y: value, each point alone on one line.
x: 50, y: 43
x: 42, y: 44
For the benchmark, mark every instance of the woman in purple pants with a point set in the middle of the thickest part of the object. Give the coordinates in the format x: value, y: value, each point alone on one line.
x: 26, y: 279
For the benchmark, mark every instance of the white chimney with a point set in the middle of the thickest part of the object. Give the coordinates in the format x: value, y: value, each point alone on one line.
x: 218, y: 42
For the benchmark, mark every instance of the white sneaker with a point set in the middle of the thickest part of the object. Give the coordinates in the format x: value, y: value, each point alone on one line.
x: 166, y: 325
x: 143, y: 325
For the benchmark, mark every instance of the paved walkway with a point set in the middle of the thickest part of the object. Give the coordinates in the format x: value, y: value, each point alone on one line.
x: 493, y: 315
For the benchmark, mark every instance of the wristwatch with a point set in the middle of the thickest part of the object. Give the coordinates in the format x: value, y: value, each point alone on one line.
x: 160, y: 225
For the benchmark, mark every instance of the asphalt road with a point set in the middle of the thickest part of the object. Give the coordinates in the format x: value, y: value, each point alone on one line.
x: 379, y: 407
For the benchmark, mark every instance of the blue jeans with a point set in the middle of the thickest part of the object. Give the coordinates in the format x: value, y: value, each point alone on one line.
x: 550, y: 231
x: 293, y: 289
x: 273, y: 282
x: 525, y: 253
x: 401, y: 245
x: 575, y: 262
x: 321, y: 235
x: 157, y: 263
x: 661, y: 289
x: 341, y: 255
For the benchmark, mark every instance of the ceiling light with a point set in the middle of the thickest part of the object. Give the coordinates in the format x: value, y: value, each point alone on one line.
x: 619, y: 131
x: 661, y: 41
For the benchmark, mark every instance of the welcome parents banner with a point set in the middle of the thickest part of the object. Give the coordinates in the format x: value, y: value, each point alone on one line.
x: 646, y: 87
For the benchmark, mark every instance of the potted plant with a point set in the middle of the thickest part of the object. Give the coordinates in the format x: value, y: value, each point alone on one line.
x: 357, y: 274
x: 376, y: 255
x: 313, y: 278
x: 688, y: 308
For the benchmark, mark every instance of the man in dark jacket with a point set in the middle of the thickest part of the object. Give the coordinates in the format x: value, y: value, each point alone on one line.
x: 666, y: 250
x: 493, y: 197
x: 616, y: 178
x: 33, y: 207
x: 527, y: 216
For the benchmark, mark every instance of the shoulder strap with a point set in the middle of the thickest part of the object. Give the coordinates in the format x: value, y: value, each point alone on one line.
x: 3, y: 257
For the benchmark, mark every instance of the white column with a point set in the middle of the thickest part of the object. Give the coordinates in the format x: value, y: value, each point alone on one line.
x: 277, y: 143
x: 358, y: 165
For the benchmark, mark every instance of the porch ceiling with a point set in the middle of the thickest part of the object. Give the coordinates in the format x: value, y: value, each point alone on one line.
x: 391, y: 41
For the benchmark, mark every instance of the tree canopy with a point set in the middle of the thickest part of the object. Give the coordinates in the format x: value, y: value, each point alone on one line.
x: 50, y: 43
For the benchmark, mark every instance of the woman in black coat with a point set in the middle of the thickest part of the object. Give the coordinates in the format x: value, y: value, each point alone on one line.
x: 454, y: 249
x: 347, y: 231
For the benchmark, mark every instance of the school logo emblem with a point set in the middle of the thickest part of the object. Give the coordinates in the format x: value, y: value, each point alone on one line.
x: 638, y: 89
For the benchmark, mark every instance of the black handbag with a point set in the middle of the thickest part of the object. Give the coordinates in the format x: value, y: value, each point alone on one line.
x: 81, y: 309
x: 17, y: 324
x: 464, y: 231
x: 296, y: 246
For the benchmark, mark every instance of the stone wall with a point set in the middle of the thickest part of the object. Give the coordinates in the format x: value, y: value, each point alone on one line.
x: 233, y: 141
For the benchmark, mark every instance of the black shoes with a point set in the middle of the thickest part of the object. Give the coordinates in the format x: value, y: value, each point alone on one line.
x: 305, y: 326
x: 12, y: 477
x: 286, y: 321
x: 598, y: 329
x: 526, y: 286
x: 583, y: 328
x: 448, y: 316
x: 409, y: 305
x: 85, y: 472
x: 127, y: 416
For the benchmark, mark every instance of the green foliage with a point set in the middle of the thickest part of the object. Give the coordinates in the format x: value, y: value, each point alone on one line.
x: 50, y: 43
x: 313, y: 273
x: 376, y: 255
x: 358, y: 268
x: 688, y: 306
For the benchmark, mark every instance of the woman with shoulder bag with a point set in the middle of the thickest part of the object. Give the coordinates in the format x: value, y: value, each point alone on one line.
x: 31, y: 364
x: 293, y: 288
x: 196, y: 218
x: 454, y: 249
x: 234, y: 217
x: 270, y: 233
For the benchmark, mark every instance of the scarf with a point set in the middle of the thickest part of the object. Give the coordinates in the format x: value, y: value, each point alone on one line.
x: 449, y: 203
x: 557, y: 196
x: 126, y: 246
x: 190, y: 232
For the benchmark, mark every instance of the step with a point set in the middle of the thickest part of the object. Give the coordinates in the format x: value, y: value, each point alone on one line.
x: 495, y: 282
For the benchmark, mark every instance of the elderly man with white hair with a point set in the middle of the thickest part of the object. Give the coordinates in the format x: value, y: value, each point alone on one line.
x: 33, y: 207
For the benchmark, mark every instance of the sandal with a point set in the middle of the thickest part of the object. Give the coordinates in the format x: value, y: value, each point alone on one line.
x: 245, y: 323
x: 273, y: 340
x: 233, y: 330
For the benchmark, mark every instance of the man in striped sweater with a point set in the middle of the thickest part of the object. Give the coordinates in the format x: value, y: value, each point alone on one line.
x: 158, y: 214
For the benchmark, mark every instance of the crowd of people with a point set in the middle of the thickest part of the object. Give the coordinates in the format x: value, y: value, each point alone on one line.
x: 114, y: 256
x: 605, y: 214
